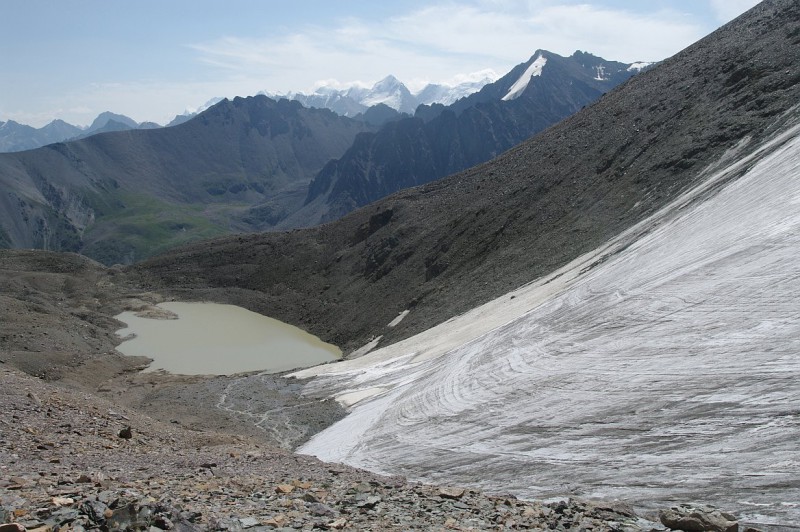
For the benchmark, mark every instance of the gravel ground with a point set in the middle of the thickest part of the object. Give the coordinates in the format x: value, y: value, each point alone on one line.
x: 73, y: 461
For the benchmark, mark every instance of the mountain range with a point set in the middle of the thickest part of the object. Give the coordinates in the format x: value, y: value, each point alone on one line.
x: 256, y: 164
x: 20, y: 137
x: 121, y: 196
x: 390, y: 91
x: 445, y: 247
x: 606, y: 308
x: 440, y: 140
x: 605, y: 312
x: 355, y: 102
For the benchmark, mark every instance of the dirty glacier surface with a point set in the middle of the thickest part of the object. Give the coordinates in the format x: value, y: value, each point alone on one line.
x: 662, y: 368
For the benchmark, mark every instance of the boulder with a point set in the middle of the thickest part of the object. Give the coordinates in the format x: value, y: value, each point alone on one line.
x: 451, y: 493
x: 698, y: 519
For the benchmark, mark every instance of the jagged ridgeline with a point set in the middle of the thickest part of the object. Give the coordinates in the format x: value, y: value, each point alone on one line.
x: 440, y: 140
x: 121, y: 196
x: 445, y: 247
x: 246, y: 165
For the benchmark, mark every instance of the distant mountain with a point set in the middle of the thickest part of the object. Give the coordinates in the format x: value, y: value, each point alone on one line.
x: 192, y: 112
x: 389, y: 91
x: 351, y: 102
x: 447, y: 95
x: 441, y: 140
x: 121, y: 196
x: 380, y: 114
x: 18, y: 137
x: 103, y: 119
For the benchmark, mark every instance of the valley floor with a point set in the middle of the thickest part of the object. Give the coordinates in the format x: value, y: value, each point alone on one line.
x: 663, y: 370
x: 203, y: 453
x: 67, y: 461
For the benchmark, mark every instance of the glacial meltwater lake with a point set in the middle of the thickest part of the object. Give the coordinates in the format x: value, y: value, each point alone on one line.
x: 215, y: 339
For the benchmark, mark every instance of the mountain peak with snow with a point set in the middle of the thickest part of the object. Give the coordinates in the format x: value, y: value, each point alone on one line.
x: 392, y: 92
x: 357, y: 98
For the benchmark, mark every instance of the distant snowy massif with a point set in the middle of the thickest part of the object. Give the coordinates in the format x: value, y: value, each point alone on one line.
x: 390, y: 91
x: 658, y: 368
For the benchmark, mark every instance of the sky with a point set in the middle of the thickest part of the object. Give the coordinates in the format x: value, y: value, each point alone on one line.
x: 154, y: 59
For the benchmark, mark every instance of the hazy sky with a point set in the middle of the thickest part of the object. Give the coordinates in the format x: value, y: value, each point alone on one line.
x: 153, y: 59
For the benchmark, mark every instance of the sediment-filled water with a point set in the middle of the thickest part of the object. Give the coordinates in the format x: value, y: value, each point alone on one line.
x: 210, y: 338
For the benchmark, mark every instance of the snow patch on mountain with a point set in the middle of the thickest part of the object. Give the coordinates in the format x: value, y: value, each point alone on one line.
x: 519, y: 86
x: 600, y: 73
x: 638, y: 66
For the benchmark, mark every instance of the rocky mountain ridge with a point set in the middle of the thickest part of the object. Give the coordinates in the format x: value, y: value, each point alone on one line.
x: 121, y: 196
x: 440, y: 140
x: 114, y: 196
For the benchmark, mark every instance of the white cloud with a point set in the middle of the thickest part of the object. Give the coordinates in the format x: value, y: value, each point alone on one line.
x: 440, y: 42
x: 727, y: 10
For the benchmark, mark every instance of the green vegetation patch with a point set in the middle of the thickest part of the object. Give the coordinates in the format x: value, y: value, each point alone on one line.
x: 131, y: 227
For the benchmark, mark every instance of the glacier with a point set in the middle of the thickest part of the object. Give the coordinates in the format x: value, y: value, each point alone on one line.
x: 519, y: 86
x: 662, y: 368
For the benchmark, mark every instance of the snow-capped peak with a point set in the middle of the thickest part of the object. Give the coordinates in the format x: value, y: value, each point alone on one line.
x: 519, y: 86
x: 390, y: 91
x: 389, y: 82
x: 349, y: 99
x: 191, y: 111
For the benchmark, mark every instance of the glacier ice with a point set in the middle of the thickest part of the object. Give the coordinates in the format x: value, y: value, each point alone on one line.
x: 670, y: 371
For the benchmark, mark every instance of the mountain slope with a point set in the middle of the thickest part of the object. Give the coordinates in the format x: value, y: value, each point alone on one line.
x: 661, y: 368
x: 446, y: 247
x: 118, y: 197
x: 442, y: 140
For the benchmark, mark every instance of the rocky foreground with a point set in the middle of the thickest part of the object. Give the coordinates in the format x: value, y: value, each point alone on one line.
x: 72, y: 461
x: 87, y: 442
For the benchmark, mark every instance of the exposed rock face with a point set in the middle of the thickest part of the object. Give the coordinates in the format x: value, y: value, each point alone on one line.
x: 698, y: 519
